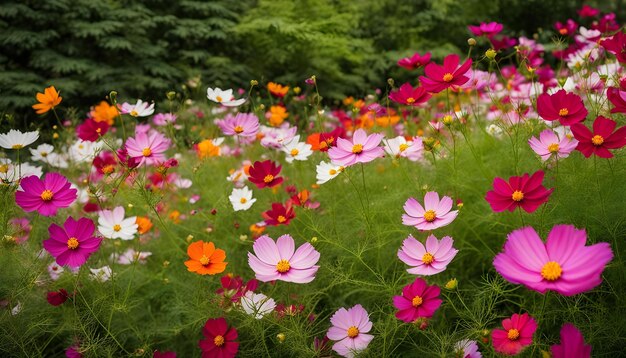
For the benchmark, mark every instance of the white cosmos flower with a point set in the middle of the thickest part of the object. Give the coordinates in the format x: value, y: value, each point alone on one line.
x: 129, y: 256
x: 400, y: 147
x: 84, y: 151
x: 113, y: 225
x: 327, y: 171
x: 17, y: 140
x: 241, y: 198
x: 182, y: 183
x: 55, y: 271
x: 224, y: 97
x: 297, y: 150
x: 41, y: 152
x: 10, y: 173
x: 101, y: 274
x: 139, y: 109
x: 57, y: 160
x: 257, y: 304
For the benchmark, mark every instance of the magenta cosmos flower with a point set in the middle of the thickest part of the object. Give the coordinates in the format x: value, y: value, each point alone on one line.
x: 517, y: 334
x: 418, y: 300
x: 242, y: 124
x: 148, y: 148
x: 45, y: 196
x: 219, y: 339
x: 414, y: 62
x: 430, y: 259
x: 350, y: 328
x: 603, y: 137
x: 526, y: 192
x: 409, y: 96
x: 434, y: 214
x: 549, y: 144
x: 572, y: 344
x: 439, y: 78
x: 73, y: 243
x: 617, y: 96
x: 280, y: 261
x: 487, y: 29
x: 563, y: 264
x: 567, y: 108
x: 362, y: 149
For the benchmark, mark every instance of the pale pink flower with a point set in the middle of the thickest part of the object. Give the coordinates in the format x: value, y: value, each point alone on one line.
x: 350, y: 328
x: 550, y: 144
x: 362, y: 149
x: 148, y: 148
x: 434, y: 214
x: 430, y: 259
x: 281, y: 261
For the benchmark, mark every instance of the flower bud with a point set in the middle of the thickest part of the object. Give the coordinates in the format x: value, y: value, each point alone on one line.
x: 113, y: 97
x: 452, y: 284
x: 171, y: 95
x: 391, y: 82
x: 491, y: 54
x: 281, y: 337
x: 447, y: 119
x: 471, y: 41
x: 254, y: 83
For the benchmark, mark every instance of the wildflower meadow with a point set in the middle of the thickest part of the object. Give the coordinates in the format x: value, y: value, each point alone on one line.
x: 475, y: 210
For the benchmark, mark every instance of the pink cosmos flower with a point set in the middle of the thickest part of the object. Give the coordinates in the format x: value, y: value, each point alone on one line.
x: 280, y: 261
x: 439, y: 78
x: 409, y: 96
x: 526, y: 192
x: 148, y: 148
x: 350, y: 328
x: 430, y: 259
x: 549, y: 144
x: 414, y: 62
x: 567, y: 108
x: 572, y: 344
x: 563, y: 264
x: 467, y: 349
x: 242, y: 124
x: 418, y: 300
x: 434, y: 214
x: 517, y: 334
x: 362, y: 149
x: 488, y: 29
x: 73, y: 243
x: 45, y: 196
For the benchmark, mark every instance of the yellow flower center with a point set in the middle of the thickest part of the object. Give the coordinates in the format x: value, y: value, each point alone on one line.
x: 204, y: 260
x: 430, y: 215
x: 332, y: 172
x: 403, y: 147
x: 597, y: 140
x: 268, y: 178
x: 428, y: 258
x: 357, y: 148
x: 551, y: 271
x: 238, y: 129
x: 281, y: 219
x: 43, y: 154
x: 448, y: 77
x: 219, y: 339
x: 553, y: 148
x: 219, y: 99
x: 283, y: 266
x: 243, y: 200
x: 146, y: 152
x: 417, y: 301
x: 17, y: 146
x: 72, y: 243
x: 4, y: 168
x: 134, y: 113
x: 47, y: 195
x: 108, y: 169
x: 563, y: 112
x: 117, y: 227
x: 513, y: 334
x: 410, y: 100
x: 517, y: 196
x: 294, y: 152
x: 353, y: 332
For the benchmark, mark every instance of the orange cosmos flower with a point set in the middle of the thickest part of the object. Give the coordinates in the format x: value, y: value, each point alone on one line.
x: 277, y: 115
x: 144, y: 224
x: 205, y: 259
x: 277, y: 90
x: 256, y: 230
x: 47, y: 100
x: 104, y: 112
x: 207, y: 148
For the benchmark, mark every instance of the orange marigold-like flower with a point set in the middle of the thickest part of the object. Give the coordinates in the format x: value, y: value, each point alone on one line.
x: 144, y: 224
x: 104, y: 112
x: 207, y: 148
x: 205, y: 259
x: 277, y: 90
x: 277, y: 115
x: 47, y: 100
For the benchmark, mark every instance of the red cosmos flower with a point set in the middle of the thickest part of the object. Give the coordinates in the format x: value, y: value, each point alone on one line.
x: 486, y: 29
x: 617, y: 96
x: 265, y: 174
x: 567, y: 29
x: 303, y: 199
x: 105, y: 162
x: 503, y: 43
x: 219, y: 339
x: 517, y: 334
x: 526, y: 192
x: 414, y: 62
x: 588, y: 11
x: 567, y: 108
x: 439, y: 78
x: 616, y: 45
x: 601, y: 140
x: 57, y: 298
x: 91, y: 130
x: 168, y: 354
x: 279, y: 214
x: 410, y: 96
x: 323, y: 141
x: 233, y: 287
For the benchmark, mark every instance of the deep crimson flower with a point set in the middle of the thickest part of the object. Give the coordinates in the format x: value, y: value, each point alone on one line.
x: 418, y: 300
x: 45, y: 196
x: 617, y: 96
x: 607, y: 24
x: 503, y: 43
x: 283, y: 310
x: 566, y: 29
x: 57, y: 298
x: 616, y: 45
x: 265, y: 174
x: 219, y: 339
x: 409, y: 96
x: 127, y: 160
x: 414, y: 62
x: 588, y: 11
x: 105, y: 162
x: 158, y: 354
x: 486, y: 29
x: 91, y: 130
x: 439, y: 78
x: 279, y: 214
x: 526, y: 192
x: 233, y: 287
x: 567, y: 108
x: 603, y: 138
x: 517, y: 334
x: 572, y: 344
